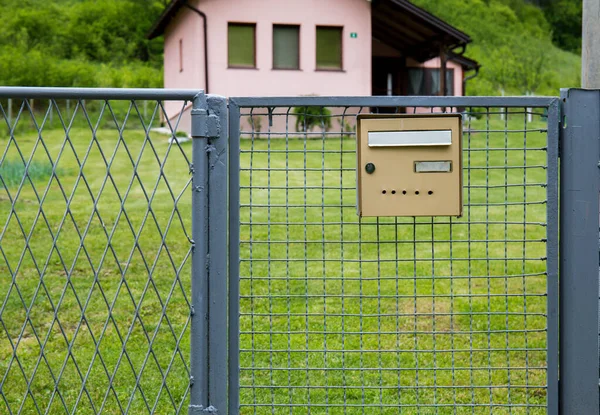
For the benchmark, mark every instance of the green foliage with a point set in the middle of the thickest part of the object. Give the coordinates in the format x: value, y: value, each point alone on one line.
x: 309, y: 117
x: 80, y: 43
x: 512, y: 40
x: 565, y: 18
x: 13, y: 171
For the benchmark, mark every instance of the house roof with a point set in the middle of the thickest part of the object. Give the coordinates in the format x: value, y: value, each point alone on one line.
x: 166, y: 16
x: 413, y: 31
x: 466, y: 63
x: 398, y: 23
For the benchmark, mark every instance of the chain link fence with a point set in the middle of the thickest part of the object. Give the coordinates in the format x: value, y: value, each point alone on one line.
x: 95, y: 249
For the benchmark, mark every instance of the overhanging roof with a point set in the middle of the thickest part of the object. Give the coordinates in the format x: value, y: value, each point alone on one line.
x: 413, y: 31
x: 466, y: 63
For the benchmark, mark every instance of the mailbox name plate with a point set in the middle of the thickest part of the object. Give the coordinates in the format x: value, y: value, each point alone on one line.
x: 410, y: 138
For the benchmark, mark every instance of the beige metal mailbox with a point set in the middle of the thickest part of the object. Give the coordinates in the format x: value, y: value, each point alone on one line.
x: 409, y: 165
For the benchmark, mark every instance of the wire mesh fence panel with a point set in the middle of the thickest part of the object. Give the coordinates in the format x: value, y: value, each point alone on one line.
x: 345, y: 315
x: 94, y: 257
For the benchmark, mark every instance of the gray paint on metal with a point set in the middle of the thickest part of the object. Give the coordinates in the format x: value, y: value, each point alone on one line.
x: 205, y: 123
x: 552, y: 175
x: 234, y: 258
x: 99, y: 93
x: 217, y: 245
x: 398, y: 101
x: 578, y: 253
x: 199, y: 298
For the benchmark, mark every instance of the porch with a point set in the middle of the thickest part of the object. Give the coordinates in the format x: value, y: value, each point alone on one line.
x: 416, y: 53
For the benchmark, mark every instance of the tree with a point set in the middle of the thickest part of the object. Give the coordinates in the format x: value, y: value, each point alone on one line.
x: 565, y: 18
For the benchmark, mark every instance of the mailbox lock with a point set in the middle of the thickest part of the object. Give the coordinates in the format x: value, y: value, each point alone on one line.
x: 370, y: 168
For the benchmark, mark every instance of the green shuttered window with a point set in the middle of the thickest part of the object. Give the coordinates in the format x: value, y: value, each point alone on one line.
x: 329, y: 48
x: 286, y: 50
x: 241, y: 45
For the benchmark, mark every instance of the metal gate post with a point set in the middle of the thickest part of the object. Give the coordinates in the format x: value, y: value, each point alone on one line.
x: 234, y: 257
x: 218, y: 255
x: 208, y: 361
x: 579, y: 188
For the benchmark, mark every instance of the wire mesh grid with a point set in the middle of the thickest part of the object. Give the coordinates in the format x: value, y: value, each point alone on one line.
x: 341, y: 314
x: 95, y: 258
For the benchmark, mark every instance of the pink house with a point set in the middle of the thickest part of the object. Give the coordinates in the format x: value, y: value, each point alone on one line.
x: 311, y: 47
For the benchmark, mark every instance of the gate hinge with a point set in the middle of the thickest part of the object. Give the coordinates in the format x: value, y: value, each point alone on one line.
x: 205, y: 125
x: 201, y: 410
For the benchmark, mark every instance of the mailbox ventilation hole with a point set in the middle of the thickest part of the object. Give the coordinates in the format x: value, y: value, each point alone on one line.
x: 417, y: 192
x: 404, y: 192
x: 384, y: 192
x: 393, y: 192
x: 430, y: 192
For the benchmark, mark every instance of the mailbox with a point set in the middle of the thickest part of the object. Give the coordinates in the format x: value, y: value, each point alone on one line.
x: 409, y: 165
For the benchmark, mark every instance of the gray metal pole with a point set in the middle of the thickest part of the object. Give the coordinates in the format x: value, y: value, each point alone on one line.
x: 234, y: 258
x: 590, y: 39
x: 579, y: 253
x: 217, y: 245
x: 199, y: 300
x: 552, y: 255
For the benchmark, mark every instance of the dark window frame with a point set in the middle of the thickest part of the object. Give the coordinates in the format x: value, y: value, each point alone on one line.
x: 297, y: 26
x: 341, y: 29
x: 253, y: 25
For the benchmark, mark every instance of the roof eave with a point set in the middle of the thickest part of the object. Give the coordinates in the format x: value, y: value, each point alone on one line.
x: 161, y: 24
x: 438, y: 23
x: 465, y: 62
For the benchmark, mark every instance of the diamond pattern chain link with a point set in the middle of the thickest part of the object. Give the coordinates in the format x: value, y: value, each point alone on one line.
x: 95, y: 265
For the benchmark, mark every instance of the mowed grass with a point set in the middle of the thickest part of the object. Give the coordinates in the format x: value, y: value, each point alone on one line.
x: 429, y: 316
x: 95, y: 274
x: 313, y: 277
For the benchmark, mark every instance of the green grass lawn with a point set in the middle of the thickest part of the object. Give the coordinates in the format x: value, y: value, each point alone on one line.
x: 455, y: 306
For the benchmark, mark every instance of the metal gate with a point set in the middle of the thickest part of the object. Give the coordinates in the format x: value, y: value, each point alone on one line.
x: 232, y: 275
x: 332, y: 313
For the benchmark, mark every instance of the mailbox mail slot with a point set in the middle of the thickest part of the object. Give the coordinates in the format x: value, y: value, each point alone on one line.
x: 409, y: 165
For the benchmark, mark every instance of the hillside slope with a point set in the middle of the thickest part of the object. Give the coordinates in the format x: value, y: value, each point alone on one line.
x: 513, y: 42
x: 102, y: 43
x: 79, y: 43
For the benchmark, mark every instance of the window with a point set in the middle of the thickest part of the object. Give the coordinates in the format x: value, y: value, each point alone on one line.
x: 426, y: 81
x: 286, y: 47
x: 180, y: 55
x: 329, y: 48
x: 241, y: 45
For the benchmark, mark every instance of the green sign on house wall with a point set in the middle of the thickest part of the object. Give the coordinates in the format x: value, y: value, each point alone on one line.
x: 353, y: 35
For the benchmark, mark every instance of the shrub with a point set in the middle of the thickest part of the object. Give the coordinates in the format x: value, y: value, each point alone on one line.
x: 309, y: 117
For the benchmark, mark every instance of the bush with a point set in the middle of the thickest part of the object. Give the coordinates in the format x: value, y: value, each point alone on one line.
x: 35, y: 68
x: 309, y: 117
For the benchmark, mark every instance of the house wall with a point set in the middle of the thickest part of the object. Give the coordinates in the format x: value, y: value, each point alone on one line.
x: 185, y: 26
x: 354, y: 15
x: 355, y: 79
